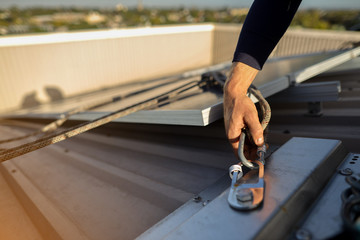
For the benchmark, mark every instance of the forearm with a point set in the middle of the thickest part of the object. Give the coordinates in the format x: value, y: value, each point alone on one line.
x: 265, y: 24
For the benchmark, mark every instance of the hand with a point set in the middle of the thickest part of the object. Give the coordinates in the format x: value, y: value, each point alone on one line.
x: 240, y: 111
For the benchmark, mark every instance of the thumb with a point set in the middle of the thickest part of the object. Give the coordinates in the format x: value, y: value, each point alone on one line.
x: 255, y: 129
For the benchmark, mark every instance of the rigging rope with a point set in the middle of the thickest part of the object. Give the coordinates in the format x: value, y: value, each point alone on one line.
x: 75, y: 130
x: 207, y: 80
x: 266, y: 115
x: 65, y: 116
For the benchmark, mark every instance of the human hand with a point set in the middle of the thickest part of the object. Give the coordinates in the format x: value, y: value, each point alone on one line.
x: 240, y: 111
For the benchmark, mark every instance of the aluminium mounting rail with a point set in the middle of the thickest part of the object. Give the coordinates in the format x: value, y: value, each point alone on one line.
x: 295, y: 176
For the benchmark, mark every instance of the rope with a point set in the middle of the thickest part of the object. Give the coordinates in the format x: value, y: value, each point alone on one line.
x: 266, y: 115
x: 73, y: 131
x: 265, y: 107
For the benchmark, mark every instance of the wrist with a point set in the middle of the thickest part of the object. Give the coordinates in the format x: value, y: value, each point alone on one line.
x: 240, y: 78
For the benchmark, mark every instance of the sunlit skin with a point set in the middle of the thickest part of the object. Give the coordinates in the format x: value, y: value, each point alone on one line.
x: 239, y: 110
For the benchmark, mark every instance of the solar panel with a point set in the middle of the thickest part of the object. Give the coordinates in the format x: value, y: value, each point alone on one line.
x: 197, y: 107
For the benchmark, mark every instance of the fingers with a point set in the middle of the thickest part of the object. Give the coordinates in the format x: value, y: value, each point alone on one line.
x: 256, y: 131
x: 233, y: 134
x: 241, y: 112
x: 237, y: 116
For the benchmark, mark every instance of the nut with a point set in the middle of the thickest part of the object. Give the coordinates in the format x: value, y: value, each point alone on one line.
x: 244, y: 195
x: 346, y: 172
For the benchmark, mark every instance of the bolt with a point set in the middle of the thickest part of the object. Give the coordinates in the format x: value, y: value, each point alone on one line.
x: 205, y: 203
x: 302, y: 234
x: 346, y: 172
x: 244, y: 195
x: 197, y: 199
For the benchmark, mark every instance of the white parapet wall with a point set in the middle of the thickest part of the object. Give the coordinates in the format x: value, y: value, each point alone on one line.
x: 301, y: 41
x: 296, y: 41
x: 44, y: 67
x: 73, y: 63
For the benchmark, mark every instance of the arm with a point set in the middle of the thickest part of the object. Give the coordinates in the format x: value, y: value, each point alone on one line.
x: 265, y: 24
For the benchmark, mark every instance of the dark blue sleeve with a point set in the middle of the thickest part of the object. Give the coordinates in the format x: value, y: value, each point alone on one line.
x: 264, y: 25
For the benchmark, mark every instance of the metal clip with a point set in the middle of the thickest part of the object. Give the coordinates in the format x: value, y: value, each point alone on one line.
x: 247, y: 192
x: 261, y: 153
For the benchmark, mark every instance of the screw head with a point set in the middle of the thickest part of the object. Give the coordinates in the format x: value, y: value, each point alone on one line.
x: 244, y: 195
x: 346, y: 172
x: 302, y: 234
x: 197, y: 199
x: 205, y: 203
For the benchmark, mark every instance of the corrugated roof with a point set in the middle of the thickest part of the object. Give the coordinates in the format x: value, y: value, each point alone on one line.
x: 126, y: 179
x: 119, y: 180
x: 113, y: 186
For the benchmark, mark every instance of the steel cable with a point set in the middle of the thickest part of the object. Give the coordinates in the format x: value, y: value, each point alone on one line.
x: 73, y: 131
x: 65, y: 116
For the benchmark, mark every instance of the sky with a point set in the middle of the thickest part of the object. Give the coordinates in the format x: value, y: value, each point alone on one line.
x: 321, y: 4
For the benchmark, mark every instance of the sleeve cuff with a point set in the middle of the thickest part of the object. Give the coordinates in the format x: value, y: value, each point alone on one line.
x: 247, y: 59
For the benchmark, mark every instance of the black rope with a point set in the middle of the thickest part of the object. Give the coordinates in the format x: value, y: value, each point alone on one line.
x: 350, y: 210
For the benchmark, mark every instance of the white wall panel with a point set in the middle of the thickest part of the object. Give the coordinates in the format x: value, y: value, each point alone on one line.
x: 75, y: 63
x: 82, y: 62
x: 225, y: 40
x: 303, y: 41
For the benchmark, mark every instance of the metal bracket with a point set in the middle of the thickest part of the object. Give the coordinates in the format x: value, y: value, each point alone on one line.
x: 310, y: 92
x: 247, y: 192
x: 314, y: 109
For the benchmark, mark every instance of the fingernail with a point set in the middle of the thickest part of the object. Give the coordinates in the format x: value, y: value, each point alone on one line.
x: 259, y: 141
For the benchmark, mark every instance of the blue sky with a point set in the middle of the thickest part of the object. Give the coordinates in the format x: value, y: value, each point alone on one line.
x: 322, y: 4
